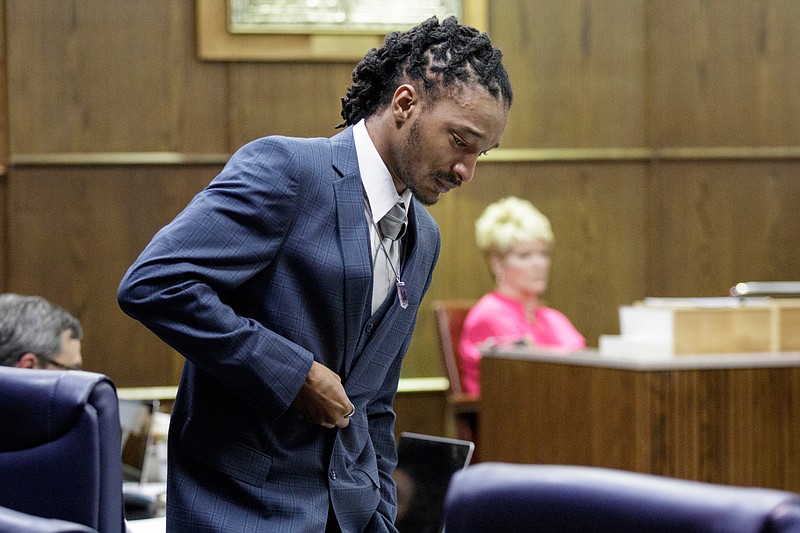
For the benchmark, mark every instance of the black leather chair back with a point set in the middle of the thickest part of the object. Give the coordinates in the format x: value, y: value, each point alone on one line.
x: 60, y: 447
x: 500, y: 498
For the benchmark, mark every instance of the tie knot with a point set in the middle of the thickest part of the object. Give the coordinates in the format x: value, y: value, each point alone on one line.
x: 393, y: 223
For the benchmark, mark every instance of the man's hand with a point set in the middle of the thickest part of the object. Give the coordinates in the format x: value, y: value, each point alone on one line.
x: 322, y: 399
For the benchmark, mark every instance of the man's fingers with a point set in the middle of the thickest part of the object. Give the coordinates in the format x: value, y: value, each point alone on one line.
x: 322, y: 400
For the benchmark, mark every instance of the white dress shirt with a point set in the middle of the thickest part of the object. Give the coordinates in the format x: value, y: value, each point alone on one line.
x: 381, y: 196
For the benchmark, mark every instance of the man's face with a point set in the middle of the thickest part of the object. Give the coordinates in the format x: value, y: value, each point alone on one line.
x: 68, y: 358
x: 70, y: 355
x: 444, y: 139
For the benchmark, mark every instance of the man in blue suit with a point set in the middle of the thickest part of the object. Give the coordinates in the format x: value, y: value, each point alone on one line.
x: 294, y: 305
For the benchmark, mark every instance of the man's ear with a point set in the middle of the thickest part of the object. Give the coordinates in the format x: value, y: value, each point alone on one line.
x: 405, y: 102
x: 28, y: 360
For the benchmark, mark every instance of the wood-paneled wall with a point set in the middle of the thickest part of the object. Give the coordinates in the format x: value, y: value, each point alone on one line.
x: 3, y: 143
x: 84, y: 225
x: 661, y: 138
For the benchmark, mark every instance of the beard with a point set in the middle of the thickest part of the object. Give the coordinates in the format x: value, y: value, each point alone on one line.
x: 412, y: 151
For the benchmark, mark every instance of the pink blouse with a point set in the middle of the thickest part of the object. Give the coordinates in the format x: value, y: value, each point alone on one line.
x: 503, y: 319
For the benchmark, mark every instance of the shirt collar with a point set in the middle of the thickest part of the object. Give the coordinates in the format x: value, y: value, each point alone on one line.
x: 376, y: 178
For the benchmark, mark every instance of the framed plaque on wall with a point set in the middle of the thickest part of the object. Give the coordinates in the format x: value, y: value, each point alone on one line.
x: 314, y: 30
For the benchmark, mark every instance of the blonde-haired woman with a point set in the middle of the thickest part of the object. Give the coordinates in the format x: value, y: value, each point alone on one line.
x: 515, y: 238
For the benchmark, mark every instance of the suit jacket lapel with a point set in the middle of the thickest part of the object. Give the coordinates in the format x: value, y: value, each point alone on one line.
x: 354, y: 241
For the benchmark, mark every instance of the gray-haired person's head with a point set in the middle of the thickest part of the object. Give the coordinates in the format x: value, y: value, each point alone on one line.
x: 31, y: 324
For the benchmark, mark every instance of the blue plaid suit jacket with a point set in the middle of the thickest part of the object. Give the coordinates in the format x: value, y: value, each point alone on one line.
x: 265, y: 270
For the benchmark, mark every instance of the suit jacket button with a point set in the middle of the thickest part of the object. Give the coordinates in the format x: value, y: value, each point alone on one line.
x: 333, y: 473
x: 369, y: 327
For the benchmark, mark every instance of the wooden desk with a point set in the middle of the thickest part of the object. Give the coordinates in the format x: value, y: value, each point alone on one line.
x: 731, y: 419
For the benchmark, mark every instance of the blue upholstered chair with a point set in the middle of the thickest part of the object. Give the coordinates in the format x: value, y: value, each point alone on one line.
x: 60, y: 447
x: 505, y: 498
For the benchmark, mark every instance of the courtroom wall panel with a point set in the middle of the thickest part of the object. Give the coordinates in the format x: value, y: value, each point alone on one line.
x: 578, y: 71
x: 3, y: 92
x: 716, y: 223
x: 3, y: 143
x: 724, y: 73
x: 301, y: 100
x: 111, y: 76
x: 74, y: 231
x: 4, y: 258
x: 3, y: 103
x: 125, y: 77
x: 587, y: 74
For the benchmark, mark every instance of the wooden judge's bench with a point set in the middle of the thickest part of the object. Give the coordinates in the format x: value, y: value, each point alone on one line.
x: 732, y: 419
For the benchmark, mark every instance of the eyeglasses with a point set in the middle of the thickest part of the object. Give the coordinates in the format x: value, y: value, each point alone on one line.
x: 62, y: 366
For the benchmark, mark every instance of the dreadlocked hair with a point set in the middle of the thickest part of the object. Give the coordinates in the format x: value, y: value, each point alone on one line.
x: 433, y: 58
